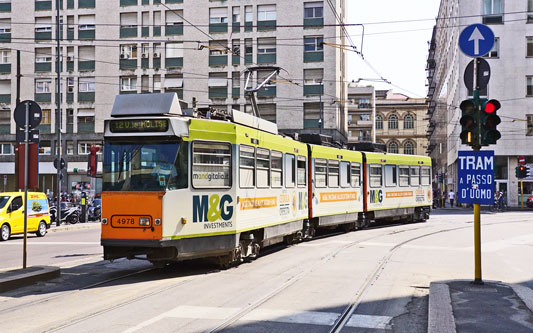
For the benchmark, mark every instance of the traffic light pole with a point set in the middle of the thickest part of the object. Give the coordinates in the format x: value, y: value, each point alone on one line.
x: 521, y: 193
x: 477, y: 207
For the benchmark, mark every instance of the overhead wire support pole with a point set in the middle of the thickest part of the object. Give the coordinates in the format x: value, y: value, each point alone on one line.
x: 25, y: 206
x: 58, y: 117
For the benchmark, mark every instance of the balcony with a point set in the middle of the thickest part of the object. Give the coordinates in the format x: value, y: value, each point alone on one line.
x: 235, y: 92
x: 221, y: 60
x: 43, y: 5
x: 70, y: 4
x: 145, y: 63
x: 313, y: 23
x: 128, y: 64
x: 267, y: 92
x: 218, y: 28
x: 5, y: 37
x: 176, y: 29
x: 5, y: 98
x: 124, y: 3
x: 145, y: 31
x: 266, y: 25
x: 86, y: 34
x: 248, y: 26
x: 365, y: 123
x: 157, y: 63
x: 43, y: 35
x: 316, y: 56
x: 269, y: 58
x: 43, y: 98
x: 248, y: 59
x: 86, y: 97
x: 70, y: 66
x: 236, y: 27
x: 70, y: 34
x: 311, y: 123
x: 173, y: 62
x: 85, y: 127
x: 157, y: 31
x: 5, y: 7
x: 313, y: 89
x: 218, y: 92
x: 86, y: 66
x: 128, y: 32
x: 235, y: 60
x: 70, y: 97
x: 5, y: 68
x: 86, y: 3
x: 43, y: 66
x: 364, y: 106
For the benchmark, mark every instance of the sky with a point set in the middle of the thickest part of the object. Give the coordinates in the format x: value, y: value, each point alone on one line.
x: 394, y: 50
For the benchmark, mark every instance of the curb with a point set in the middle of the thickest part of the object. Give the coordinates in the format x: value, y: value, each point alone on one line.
x: 440, y: 313
x: 74, y: 227
x: 525, y: 294
x: 23, y: 277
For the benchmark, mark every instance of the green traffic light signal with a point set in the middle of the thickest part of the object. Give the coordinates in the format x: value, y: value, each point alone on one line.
x: 469, y: 130
x: 489, y: 121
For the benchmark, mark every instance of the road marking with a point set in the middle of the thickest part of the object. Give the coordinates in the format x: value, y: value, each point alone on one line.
x: 501, y: 244
x: 20, y: 242
x: 260, y: 315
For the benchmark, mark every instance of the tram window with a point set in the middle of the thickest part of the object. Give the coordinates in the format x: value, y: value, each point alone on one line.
x: 320, y: 172
x: 263, y: 167
x: 290, y: 178
x: 333, y: 173
x: 180, y: 178
x: 345, y: 174
x: 277, y: 169
x: 425, y: 174
x: 301, y: 166
x: 211, y: 165
x: 356, y: 174
x: 415, y: 175
x: 376, y: 176
x: 390, y: 175
x: 404, y: 175
x: 246, y: 166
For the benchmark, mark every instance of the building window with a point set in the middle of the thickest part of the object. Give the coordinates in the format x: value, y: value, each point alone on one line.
x: 156, y: 83
x: 128, y: 51
x: 392, y: 148
x: 393, y: 121
x: 409, y: 148
x: 266, y: 13
x: 86, y: 84
x: 174, y: 50
x: 70, y: 147
x: 529, y: 48
x: 46, y: 117
x: 173, y: 82
x: 43, y: 24
x: 84, y: 147
x: 379, y: 121
x: 128, y: 83
x: 4, y: 56
x: 45, y: 147
x: 313, y: 43
x: 236, y: 15
x: 43, y: 55
x: 218, y: 15
x: 492, y: 11
x: 248, y: 17
x: 268, y: 112
x: 529, y: 80
x: 408, y: 122
x: 313, y: 10
x: 495, y: 51
x: 5, y: 26
x: 43, y: 86
x: 530, y: 9
x: 87, y: 22
x: 529, y: 126
x: 312, y: 115
x: 313, y: 76
x: 266, y: 45
x: 6, y: 149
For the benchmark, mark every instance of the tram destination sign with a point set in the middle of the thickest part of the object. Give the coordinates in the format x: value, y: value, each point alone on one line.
x: 138, y: 125
x: 476, y: 177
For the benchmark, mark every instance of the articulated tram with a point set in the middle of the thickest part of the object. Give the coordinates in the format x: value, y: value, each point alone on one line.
x: 179, y: 184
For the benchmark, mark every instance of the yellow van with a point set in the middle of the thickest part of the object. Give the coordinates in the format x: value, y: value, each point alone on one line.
x: 12, y: 214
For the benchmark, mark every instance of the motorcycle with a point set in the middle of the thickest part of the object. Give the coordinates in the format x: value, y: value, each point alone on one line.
x: 94, y: 211
x: 69, y: 213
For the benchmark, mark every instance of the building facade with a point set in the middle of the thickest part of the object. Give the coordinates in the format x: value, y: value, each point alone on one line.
x: 511, y: 82
x: 361, y: 109
x: 197, y: 49
x: 401, y: 123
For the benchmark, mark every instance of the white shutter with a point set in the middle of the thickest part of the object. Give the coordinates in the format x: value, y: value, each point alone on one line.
x: 41, y: 22
x: 86, y: 20
x: 5, y: 87
x: 173, y: 82
x: 173, y: 17
x: 86, y: 113
x: 174, y: 50
x: 218, y: 12
x: 217, y: 82
x: 128, y: 19
x: 86, y: 53
x: 313, y: 5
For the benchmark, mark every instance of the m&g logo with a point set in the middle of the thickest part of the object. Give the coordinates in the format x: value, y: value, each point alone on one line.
x: 211, y: 208
x: 375, y: 196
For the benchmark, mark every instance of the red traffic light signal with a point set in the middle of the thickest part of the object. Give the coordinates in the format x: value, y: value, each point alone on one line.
x: 491, y: 106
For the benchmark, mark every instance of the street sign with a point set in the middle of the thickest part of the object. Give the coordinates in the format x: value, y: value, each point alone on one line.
x: 20, y: 114
x: 62, y: 164
x: 483, y: 74
x: 476, y: 177
x: 521, y: 160
x: 476, y: 40
x: 33, y: 135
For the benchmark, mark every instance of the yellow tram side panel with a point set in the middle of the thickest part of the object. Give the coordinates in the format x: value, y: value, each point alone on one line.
x: 268, y: 206
x: 336, y: 200
x: 391, y: 197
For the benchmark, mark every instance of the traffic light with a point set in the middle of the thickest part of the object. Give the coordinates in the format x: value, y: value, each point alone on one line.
x: 521, y: 171
x: 469, y: 130
x: 489, y: 121
x: 92, y: 165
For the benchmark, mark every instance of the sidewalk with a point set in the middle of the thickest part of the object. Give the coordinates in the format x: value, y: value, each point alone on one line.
x: 77, y: 226
x: 460, y: 306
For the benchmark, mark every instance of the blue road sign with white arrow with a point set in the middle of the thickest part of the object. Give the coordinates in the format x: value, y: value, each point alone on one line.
x: 476, y: 40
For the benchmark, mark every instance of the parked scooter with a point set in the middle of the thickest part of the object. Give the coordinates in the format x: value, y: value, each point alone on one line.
x: 69, y: 213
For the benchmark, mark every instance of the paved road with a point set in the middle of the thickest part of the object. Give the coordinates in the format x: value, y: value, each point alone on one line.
x: 385, y: 272
x: 61, y: 248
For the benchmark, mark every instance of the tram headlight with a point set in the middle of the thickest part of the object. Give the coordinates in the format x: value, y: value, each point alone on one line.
x: 144, y: 221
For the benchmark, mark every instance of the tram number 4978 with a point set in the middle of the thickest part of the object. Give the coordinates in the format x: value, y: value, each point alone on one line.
x: 126, y: 220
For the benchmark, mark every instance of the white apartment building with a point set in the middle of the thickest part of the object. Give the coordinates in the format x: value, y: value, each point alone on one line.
x: 196, y: 48
x: 511, y: 83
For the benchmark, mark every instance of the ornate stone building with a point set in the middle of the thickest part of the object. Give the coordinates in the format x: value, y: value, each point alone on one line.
x: 401, y: 123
